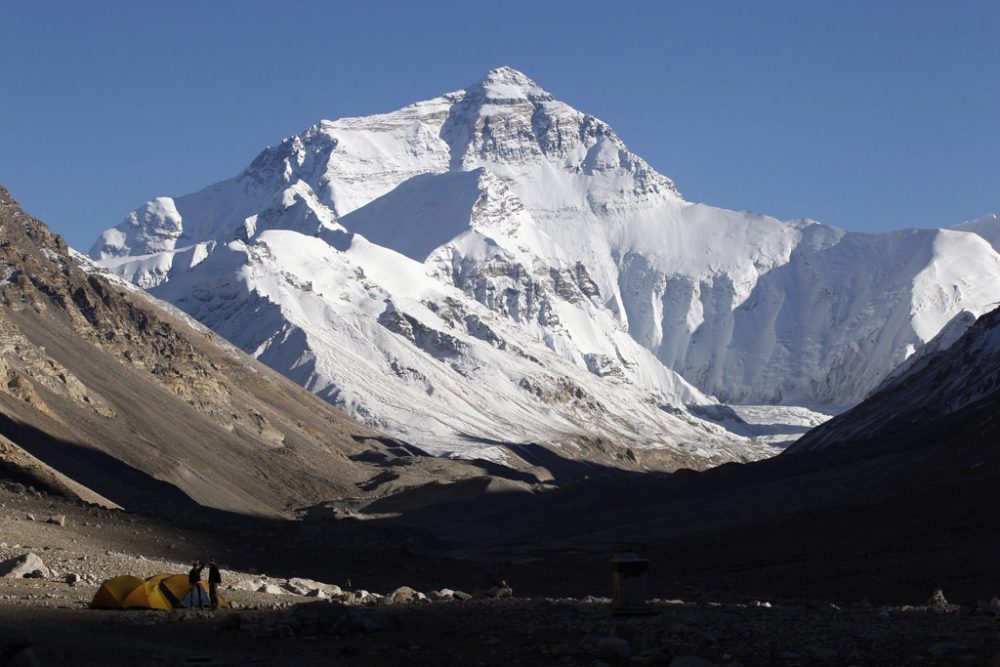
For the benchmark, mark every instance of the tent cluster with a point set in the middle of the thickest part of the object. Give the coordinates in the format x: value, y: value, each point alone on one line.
x: 162, y: 591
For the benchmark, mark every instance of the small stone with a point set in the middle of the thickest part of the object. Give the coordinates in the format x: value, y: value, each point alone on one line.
x: 72, y: 579
x: 614, y: 648
x: 691, y: 661
x: 461, y: 595
x: 823, y: 653
x: 57, y: 519
x: 30, y: 517
x: 944, y: 648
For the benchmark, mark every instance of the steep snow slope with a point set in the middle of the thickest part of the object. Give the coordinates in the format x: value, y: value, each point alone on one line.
x: 522, y: 209
x: 368, y: 329
x: 459, y: 347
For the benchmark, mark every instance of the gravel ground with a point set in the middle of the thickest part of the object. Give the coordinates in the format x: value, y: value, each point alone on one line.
x: 50, y: 617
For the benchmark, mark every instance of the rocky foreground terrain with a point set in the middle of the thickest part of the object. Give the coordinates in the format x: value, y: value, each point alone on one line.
x: 277, y: 618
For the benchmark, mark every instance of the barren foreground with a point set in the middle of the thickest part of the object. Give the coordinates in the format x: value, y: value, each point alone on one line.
x: 47, y: 620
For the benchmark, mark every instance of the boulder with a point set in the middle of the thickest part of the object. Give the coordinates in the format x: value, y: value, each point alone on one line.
x: 301, y: 586
x: 500, y: 591
x: 937, y: 602
x: 403, y: 594
x: 271, y: 589
x: 612, y: 648
x: 248, y: 585
x: 461, y: 595
x: 24, y: 566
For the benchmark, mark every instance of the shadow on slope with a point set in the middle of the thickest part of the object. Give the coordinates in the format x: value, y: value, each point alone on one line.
x: 98, y: 471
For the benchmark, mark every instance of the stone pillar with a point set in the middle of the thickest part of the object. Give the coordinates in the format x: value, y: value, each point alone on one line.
x: 628, y: 584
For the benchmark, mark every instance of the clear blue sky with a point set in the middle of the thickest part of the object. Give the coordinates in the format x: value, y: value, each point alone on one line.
x: 865, y: 115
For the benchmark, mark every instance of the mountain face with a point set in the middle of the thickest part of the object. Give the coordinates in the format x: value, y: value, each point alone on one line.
x: 494, y: 266
x: 112, y: 397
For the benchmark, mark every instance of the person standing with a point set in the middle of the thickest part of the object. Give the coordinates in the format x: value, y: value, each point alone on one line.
x: 194, y: 582
x: 214, y: 579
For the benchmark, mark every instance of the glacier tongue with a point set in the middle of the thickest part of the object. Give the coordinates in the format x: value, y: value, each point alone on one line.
x: 493, y: 265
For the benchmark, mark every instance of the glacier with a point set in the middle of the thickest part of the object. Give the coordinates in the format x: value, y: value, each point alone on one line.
x: 493, y: 267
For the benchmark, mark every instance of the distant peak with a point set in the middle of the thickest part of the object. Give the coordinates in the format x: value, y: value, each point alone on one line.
x: 507, y: 83
x: 508, y: 75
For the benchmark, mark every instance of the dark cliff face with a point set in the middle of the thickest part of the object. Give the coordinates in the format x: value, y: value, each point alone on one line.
x: 926, y: 395
x: 106, y: 386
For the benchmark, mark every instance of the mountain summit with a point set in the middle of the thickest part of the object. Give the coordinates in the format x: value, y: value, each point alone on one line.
x: 492, y: 266
x: 506, y: 83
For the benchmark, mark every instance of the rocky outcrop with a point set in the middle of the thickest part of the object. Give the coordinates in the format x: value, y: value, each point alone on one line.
x: 29, y: 565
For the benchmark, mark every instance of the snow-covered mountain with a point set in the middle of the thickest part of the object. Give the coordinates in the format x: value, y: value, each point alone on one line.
x: 493, y: 265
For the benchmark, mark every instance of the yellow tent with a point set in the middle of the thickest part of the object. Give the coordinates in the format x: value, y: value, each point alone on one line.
x: 162, y: 591
x: 128, y: 592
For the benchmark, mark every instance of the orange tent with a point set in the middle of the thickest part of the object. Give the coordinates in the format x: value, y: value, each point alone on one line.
x: 128, y: 592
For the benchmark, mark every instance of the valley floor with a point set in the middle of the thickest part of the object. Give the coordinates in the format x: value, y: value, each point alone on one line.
x: 52, y: 618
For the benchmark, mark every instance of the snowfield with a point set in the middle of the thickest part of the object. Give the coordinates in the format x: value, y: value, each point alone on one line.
x: 493, y: 266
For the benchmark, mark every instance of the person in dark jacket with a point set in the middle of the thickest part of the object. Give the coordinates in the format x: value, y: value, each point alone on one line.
x: 194, y: 581
x: 214, y: 579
